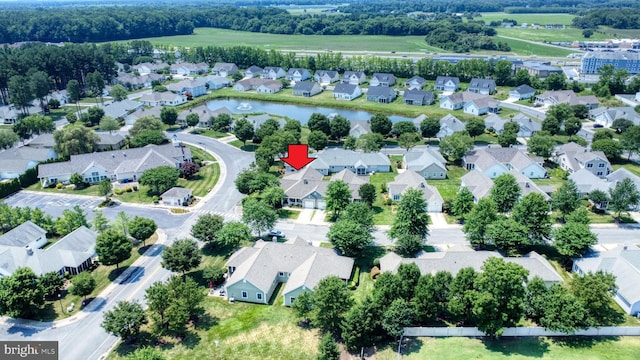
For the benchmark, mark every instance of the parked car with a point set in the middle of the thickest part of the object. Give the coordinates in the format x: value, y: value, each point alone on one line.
x: 276, y: 233
x: 597, y: 126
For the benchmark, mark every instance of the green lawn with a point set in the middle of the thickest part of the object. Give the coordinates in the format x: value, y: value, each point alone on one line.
x: 201, y: 154
x: 210, y: 133
x: 516, y: 348
x: 559, y: 18
x: 248, y: 147
x: 204, y: 181
x: 524, y: 48
x: 449, y: 187
x: 384, y: 214
x: 550, y: 35
x: 288, y: 214
x: 92, y: 190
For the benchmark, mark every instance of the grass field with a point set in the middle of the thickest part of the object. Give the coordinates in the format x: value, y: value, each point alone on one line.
x: 514, y: 349
x: 564, y: 19
x: 525, y: 48
x: 567, y: 34
x: 448, y: 188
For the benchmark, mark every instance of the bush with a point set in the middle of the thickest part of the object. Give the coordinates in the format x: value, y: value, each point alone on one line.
x: 214, y: 274
x: 118, y: 191
x: 59, y: 186
x: 156, y: 200
x: 388, y: 202
x: 375, y: 271
x: 128, y: 189
x: 135, y: 188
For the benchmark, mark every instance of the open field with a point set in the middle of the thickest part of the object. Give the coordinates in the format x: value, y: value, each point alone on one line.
x: 521, y: 47
x: 564, y: 19
x: 514, y: 349
x: 567, y: 34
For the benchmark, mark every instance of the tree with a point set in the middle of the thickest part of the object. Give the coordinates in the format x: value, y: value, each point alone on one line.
x: 33, y: 125
x: 73, y: 92
x: 555, y: 82
x: 233, y: 234
x: 338, y: 196
x: 156, y: 296
x: 95, y: 82
x: 193, y: 119
x: 505, y: 192
x: 243, y: 130
x: 340, y: 127
x: 455, y: 146
x: 475, y: 224
x: 182, y: 256
x: 624, y: 196
x: 331, y: 301
x: 303, y: 305
x: 77, y: 180
x: 40, y: 85
x: 432, y: 295
x: 258, y: 215
x: 206, y: 228
x: 541, y: 144
x: 349, y: 143
x: 252, y: 180
x: 507, y: 138
x: 20, y: 92
x: 429, y: 127
x: 403, y: 127
x: 367, y: 193
x: 362, y: 325
x: 317, y: 140
x: 396, y: 317
x: 595, y: 291
x: 535, y: 298
x: 507, y: 235
x: 500, y: 294
x: 118, y: 92
x: 599, y: 198
x: 350, y: 237
x: 360, y: 213
x: 371, y: 142
x: 551, y: 125
x: 160, y: 179
x: 169, y: 115
x: 408, y: 140
x: 125, y: 320
x: 294, y: 127
x: 51, y: 282
x: 319, y: 122
x: 621, y: 125
x: 20, y: 293
x: 328, y: 348
x: 630, y: 140
x: 602, y: 134
x: 587, y: 33
x: 580, y: 216
x: 408, y: 275
x: 8, y: 138
x: 532, y: 211
x: 83, y: 284
x: 612, y: 149
x: 461, y: 295
x: 189, y: 169
x: 268, y: 128
x: 474, y: 127
x: 381, y: 124
x: 273, y: 196
x: 411, y: 219
x: 70, y: 220
x: 121, y: 223
x: 462, y: 203
x: 146, y: 353
x: 142, y: 228
x: 562, y: 311
x: 75, y: 139
x: 572, y: 125
x: 109, y: 124
x: 113, y: 247
x: 146, y: 123
x: 92, y: 117
x: 100, y: 222
x: 566, y: 199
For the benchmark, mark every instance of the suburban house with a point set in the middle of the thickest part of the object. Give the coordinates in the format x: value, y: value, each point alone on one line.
x: 454, y: 261
x: 573, y: 157
x: 333, y: 160
x: 418, y: 97
x: 177, y: 196
x: 566, y: 97
x: 382, y: 79
x: 480, y: 184
x: 269, y: 87
x: 162, y: 98
x: 605, y: 116
x: 354, y: 77
x: 495, y: 123
x: 345, y: 91
x: 224, y: 69
x: 253, y: 71
x: 42, y: 145
x: 482, y: 86
x: 118, y: 165
x: 131, y: 119
x: 624, y: 263
x: 448, y: 125
x: 17, y: 160
x: 133, y: 82
x: 359, y: 127
x: 9, y: 114
x: 586, y: 182
x: 195, y: 87
x: 148, y: 68
x: 447, y: 84
x: 326, y: 77
x: 527, y: 186
x: 254, y: 272
x: 25, y: 235
x: 428, y: 162
x: 481, y: 106
x: 410, y: 179
x: 215, y: 82
x: 307, y: 188
x: 528, y: 126
x: 120, y: 109
x: 522, y: 92
x: 72, y: 254
x: 109, y: 141
x: 415, y: 83
x: 186, y: 69
x: 621, y: 174
x: 60, y: 95
x: 540, y: 69
x: 204, y: 115
x: 494, y: 161
x: 381, y: 94
x: 273, y: 73
x: 458, y: 100
x: 295, y: 74
x: 306, y: 88
x: 258, y: 120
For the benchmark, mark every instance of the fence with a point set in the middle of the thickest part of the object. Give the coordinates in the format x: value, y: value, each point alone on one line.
x: 519, y: 331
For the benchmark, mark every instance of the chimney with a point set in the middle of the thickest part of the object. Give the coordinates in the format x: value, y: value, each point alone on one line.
x: 29, y: 250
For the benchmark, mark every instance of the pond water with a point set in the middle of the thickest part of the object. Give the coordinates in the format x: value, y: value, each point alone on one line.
x: 298, y: 112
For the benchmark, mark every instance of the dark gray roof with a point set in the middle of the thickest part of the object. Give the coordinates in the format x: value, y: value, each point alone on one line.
x: 344, y: 88
x: 417, y: 79
x: 109, y: 139
x: 524, y: 89
x: 304, y: 85
x: 482, y: 83
x: 342, y: 157
x: 176, y: 192
x: 424, y: 96
x: 383, y: 77
x: 255, y: 69
x: 419, y: 160
x: 81, y: 239
x: 22, y: 235
x: 441, y: 80
x: 330, y: 73
x: 121, y: 108
x: 381, y: 91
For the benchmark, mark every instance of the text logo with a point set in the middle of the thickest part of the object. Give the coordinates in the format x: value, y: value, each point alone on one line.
x: 31, y: 350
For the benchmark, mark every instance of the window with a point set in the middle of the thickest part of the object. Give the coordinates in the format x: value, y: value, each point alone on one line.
x: 245, y: 295
x: 599, y: 173
x: 259, y: 296
x: 589, y: 165
x: 600, y: 165
x: 396, y: 197
x: 281, y: 274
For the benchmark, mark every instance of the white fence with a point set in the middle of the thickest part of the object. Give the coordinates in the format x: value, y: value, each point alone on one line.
x: 519, y: 331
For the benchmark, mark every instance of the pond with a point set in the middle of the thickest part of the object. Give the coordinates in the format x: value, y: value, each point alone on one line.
x: 297, y: 112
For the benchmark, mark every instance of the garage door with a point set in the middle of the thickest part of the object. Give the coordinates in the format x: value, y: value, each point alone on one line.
x: 308, y: 203
x: 434, y: 207
x: 322, y: 204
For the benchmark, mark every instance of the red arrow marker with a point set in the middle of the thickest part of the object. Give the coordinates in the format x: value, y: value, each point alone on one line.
x: 298, y: 156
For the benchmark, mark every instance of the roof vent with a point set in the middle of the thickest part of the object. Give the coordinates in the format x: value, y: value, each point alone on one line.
x: 305, y: 181
x: 29, y: 250
x: 124, y: 154
x: 527, y: 185
x: 422, y: 185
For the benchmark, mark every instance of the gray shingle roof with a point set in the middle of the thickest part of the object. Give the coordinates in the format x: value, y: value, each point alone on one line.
x: 119, y: 109
x: 22, y: 235
x: 441, y: 80
x: 478, y: 183
x: 381, y: 91
x: 344, y: 88
x: 419, y: 160
x: 412, y: 180
x: 523, y: 89
x: 482, y: 84
x: 81, y: 239
x: 176, y: 192
x: 304, y: 85
x: 423, y: 96
x: 342, y: 157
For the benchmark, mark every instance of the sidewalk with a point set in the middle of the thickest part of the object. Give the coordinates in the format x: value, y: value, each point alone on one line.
x: 97, y: 302
x: 227, y: 139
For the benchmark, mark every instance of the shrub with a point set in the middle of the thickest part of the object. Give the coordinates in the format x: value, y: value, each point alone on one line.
x: 135, y: 188
x: 375, y: 271
x: 118, y: 191
x: 355, y: 279
x: 156, y: 200
x: 59, y: 186
x: 214, y: 274
x: 388, y: 202
x: 128, y: 189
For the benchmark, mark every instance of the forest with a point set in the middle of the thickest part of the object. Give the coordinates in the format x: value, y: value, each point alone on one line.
x: 624, y: 18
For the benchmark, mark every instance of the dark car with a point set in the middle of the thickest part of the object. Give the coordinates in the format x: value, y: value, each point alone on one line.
x: 597, y: 126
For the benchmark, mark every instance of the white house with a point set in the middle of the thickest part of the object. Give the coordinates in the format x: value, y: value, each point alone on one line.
x: 347, y: 92
x: 177, y: 196
x: 163, y: 98
x: 24, y: 235
x: 326, y: 77
x: 522, y: 92
x: 481, y: 106
x: 410, y: 179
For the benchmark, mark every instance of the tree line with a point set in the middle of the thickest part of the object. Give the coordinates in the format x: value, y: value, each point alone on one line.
x: 619, y: 18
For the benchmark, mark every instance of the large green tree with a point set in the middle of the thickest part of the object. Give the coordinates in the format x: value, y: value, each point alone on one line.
x: 476, y: 223
x: 350, y: 237
x: 566, y: 198
x: 505, y: 192
x: 331, y: 301
x: 432, y: 295
x: 429, y: 127
x: 612, y: 149
x: 412, y: 220
x: 371, y: 142
x: 317, y: 140
x: 75, y: 139
x: 233, y: 234
x: 507, y: 235
x: 595, y: 291
x: 243, y: 130
x: 573, y: 239
x: 160, y: 179
x: 398, y: 315
x: 362, y: 325
x: 253, y: 180
x: 338, y: 196
x: 21, y: 295
x: 113, y: 247
x: 474, y: 127
x: 319, y: 122
x: 381, y: 124
x: 461, y: 295
x: 83, y: 284
x: 141, y: 228
x: 630, y: 140
x: 258, y: 215
x: 456, y: 145
x: 169, y: 115
x: 20, y: 92
x: 532, y: 211
x: 125, y: 320
x: 340, y: 127
x: 109, y: 124
x: 206, y: 229
x: 367, y: 193
x: 70, y: 220
x: 563, y: 311
x: 462, y: 203
x: 623, y: 197
x: 541, y: 144
x: 8, y: 138
x: 146, y: 123
x: 182, y: 256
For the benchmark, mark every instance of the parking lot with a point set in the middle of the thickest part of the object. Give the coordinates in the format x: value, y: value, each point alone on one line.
x: 53, y: 204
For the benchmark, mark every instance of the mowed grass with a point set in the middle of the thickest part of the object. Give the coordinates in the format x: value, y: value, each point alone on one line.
x: 384, y: 214
x: 449, y: 187
x: 566, y: 34
x: 543, y: 19
x: 92, y: 190
x: 222, y: 37
x: 518, y: 348
x: 203, y: 181
x: 520, y: 47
